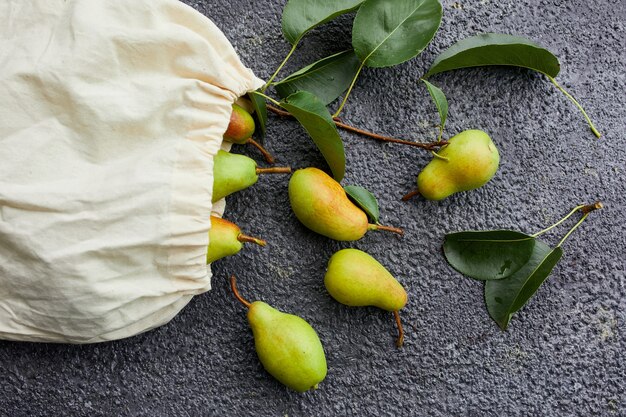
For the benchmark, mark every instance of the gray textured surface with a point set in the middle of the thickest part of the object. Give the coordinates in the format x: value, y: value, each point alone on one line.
x: 563, y: 354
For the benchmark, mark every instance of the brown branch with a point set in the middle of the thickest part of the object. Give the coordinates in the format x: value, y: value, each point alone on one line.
x: 251, y: 239
x: 385, y: 228
x: 274, y: 170
x: 423, y: 145
x: 428, y: 146
x: 400, y: 339
x: 233, y: 287
x: 591, y: 207
x: 278, y: 111
x: 268, y: 156
x: 410, y: 195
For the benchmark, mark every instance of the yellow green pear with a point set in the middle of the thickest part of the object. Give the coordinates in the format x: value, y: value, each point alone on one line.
x: 355, y: 278
x: 241, y: 128
x: 321, y: 204
x: 469, y: 161
x: 287, y: 346
x: 233, y: 172
x: 226, y: 239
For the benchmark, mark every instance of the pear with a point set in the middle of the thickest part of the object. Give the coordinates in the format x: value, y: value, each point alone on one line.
x: 225, y: 239
x: 469, y: 161
x: 321, y: 204
x: 355, y: 278
x: 233, y: 172
x: 241, y: 126
x: 287, y: 345
x: 240, y: 130
x: 246, y: 103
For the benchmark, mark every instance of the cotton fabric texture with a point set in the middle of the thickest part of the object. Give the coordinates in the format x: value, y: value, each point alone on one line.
x: 110, y: 115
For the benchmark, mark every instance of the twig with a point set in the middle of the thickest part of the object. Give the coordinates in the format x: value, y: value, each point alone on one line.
x: 423, y: 145
x: 233, y: 287
x: 400, y: 339
x: 591, y: 207
x: 274, y: 170
x: 410, y: 195
x: 268, y: 156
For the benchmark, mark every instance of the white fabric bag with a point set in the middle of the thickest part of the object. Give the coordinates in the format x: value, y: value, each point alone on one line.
x: 110, y: 115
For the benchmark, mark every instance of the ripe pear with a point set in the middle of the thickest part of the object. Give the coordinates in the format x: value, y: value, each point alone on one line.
x: 225, y: 239
x: 469, y: 161
x: 233, y: 172
x: 241, y: 126
x: 321, y: 204
x: 246, y: 103
x: 240, y: 130
x: 287, y: 345
x: 355, y: 278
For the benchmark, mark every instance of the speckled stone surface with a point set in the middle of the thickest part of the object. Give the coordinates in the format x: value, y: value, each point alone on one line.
x: 563, y: 354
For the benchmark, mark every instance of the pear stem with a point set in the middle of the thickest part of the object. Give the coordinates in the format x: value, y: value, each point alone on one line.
x: 385, y: 228
x: 274, y: 170
x: 410, y: 195
x: 400, y: 339
x: 429, y: 146
x: 251, y: 239
x: 268, y: 156
x: 233, y: 286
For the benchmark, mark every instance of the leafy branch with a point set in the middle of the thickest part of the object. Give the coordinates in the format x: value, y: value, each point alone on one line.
x: 513, y: 264
x: 490, y: 49
x: 408, y: 27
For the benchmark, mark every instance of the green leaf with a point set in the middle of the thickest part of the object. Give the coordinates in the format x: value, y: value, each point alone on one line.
x: 488, y: 255
x: 327, y: 78
x: 316, y: 120
x: 389, y: 32
x: 440, y: 101
x: 300, y: 16
x: 364, y: 199
x: 496, y: 49
x: 260, y: 110
x: 506, y: 296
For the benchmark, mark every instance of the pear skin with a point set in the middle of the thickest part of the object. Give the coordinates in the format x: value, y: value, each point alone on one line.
x: 355, y: 278
x: 321, y: 204
x: 226, y: 239
x: 245, y: 103
x: 241, y: 126
x: 287, y: 346
x: 232, y: 173
x: 469, y: 161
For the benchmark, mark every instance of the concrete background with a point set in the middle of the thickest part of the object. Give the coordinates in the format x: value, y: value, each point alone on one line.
x: 563, y: 354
